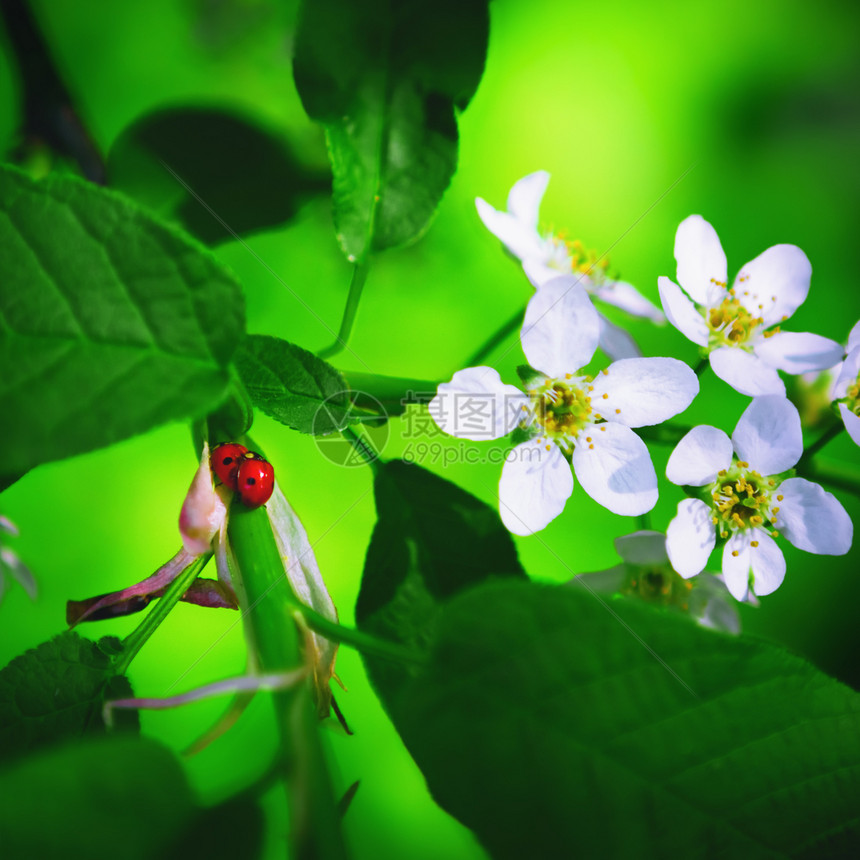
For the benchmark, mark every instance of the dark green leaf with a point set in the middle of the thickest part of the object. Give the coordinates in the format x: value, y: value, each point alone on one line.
x: 431, y: 541
x: 55, y: 692
x: 293, y: 386
x: 110, y: 323
x: 232, y: 830
x: 242, y: 172
x: 549, y: 727
x: 115, y: 798
x: 385, y: 77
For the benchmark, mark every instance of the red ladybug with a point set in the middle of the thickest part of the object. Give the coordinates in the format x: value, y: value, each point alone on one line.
x: 255, y: 480
x: 225, y: 460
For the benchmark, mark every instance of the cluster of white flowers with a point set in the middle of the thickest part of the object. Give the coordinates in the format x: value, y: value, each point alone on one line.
x: 567, y: 422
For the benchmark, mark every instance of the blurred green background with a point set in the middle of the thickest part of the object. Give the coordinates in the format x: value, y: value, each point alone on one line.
x: 745, y: 112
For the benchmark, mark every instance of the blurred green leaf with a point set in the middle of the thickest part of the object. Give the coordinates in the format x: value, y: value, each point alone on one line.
x: 549, y: 727
x: 384, y: 78
x: 116, y: 798
x: 110, y: 323
x: 431, y: 541
x: 56, y: 691
x: 293, y: 386
x: 245, y: 174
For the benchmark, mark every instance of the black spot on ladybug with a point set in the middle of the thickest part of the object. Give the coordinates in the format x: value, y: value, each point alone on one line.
x: 227, y: 461
x: 251, y: 481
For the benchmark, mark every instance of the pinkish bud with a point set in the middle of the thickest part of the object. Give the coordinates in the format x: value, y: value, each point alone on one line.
x: 203, y: 511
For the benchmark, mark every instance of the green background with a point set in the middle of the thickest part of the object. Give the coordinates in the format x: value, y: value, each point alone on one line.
x: 747, y: 113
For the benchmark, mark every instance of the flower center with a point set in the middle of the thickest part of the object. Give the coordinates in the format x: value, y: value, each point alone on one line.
x: 562, y: 408
x: 852, y: 396
x: 731, y: 324
x: 659, y: 585
x: 587, y: 262
x: 741, y: 499
x: 555, y: 255
x: 572, y: 256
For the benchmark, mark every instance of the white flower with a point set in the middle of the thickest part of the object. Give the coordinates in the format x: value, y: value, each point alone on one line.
x: 748, y: 503
x: 547, y: 256
x: 846, y: 390
x: 739, y: 327
x: 574, y: 420
x: 645, y: 573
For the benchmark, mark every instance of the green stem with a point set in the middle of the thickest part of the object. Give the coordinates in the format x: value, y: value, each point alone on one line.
x: 362, y: 447
x: 268, y: 605
x: 480, y: 355
x: 137, y: 638
x: 394, y: 393
x: 840, y: 475
x: 663, y: 434
x: 356, y: 285
x: 820, y: 442
x: 49, y: 112
x: 363, y: 642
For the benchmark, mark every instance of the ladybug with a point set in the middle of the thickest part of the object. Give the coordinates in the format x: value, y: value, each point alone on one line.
x: 225, y: 460
x: 255, y: 480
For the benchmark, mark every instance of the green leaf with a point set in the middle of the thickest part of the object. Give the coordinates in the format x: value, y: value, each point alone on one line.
x: 185, y: 161
x: 293, y: 386
x: 554, y: 724
x: 117, y: 798
x: 56, y: 691
x: 110, y: 322
x: 384, y: 78
x: 431, y: 541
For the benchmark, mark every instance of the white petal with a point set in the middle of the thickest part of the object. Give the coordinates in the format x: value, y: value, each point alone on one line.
x: 6, y: 525
x: 607, y: 581
x: 745, y: 372
x: 643, y: 548
x: 628, y: 298
x: 538, y: 272
x: 525, y: 197
x: 775, y: 284
x: 698, y: 457
x: 18, y: 571
x: 813, y: 519
x: 853, y: 338
x: 534, y: 487
x: 644, y: 391
x: 848, y: 374
x: 768, y: 435
x: 477, y: 405
x: 700, y: 259
x: 851, y: 422
x: 561, y: 327
x: 690, y: 537
x: 617, y: 472
x: 712, y: 605
x: 306, y: 581
x: 521, y: 240
x: 682, y: 313
x: 798, y: 352
x: 616, y: 342
x: 768, y: 564
x: 736, y: 565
